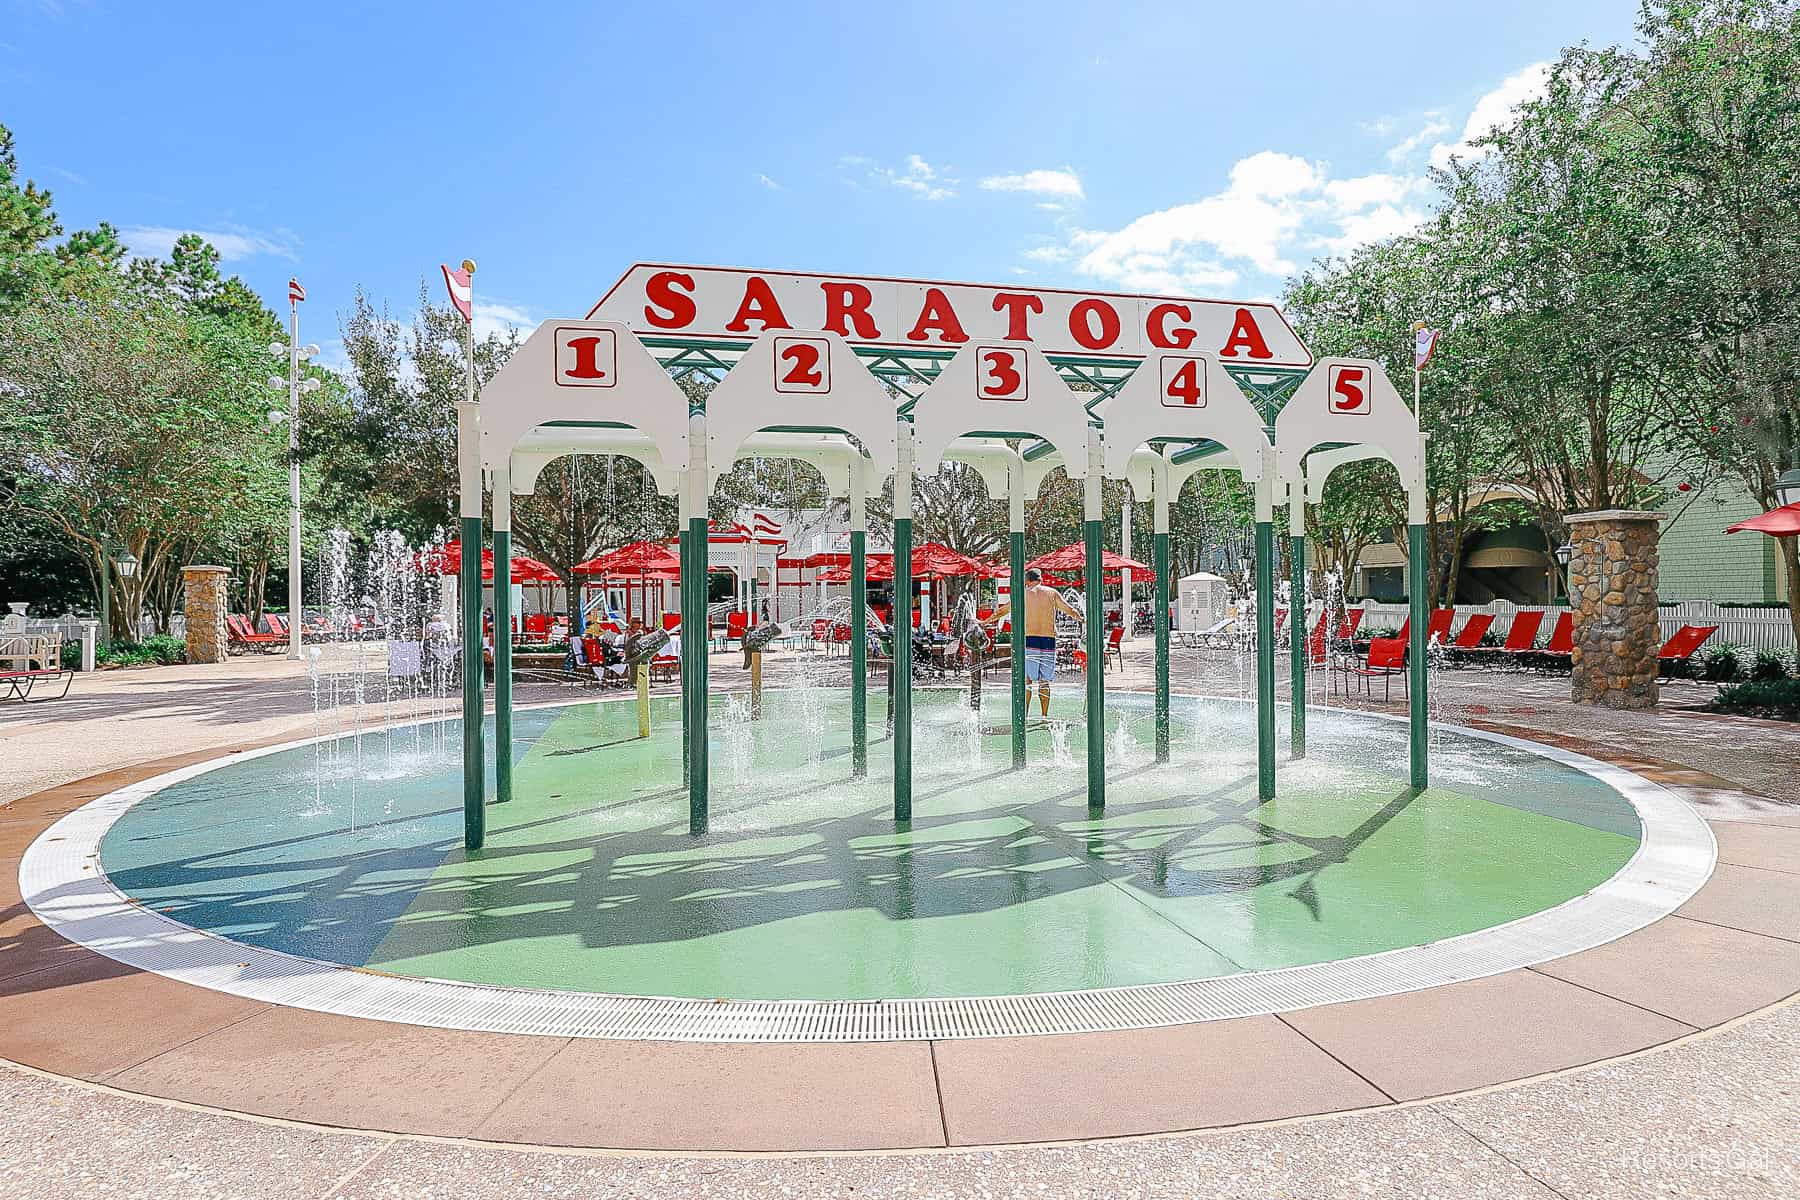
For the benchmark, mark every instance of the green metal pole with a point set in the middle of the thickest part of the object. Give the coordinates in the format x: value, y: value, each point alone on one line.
x: 474, y: 765
x: 902, y: 669
x: 1419, y: 574
x: 688, y: 642
x: 1265, y: 656
x: 1096, y: 662
x: 859, y: 659
x: 1016, y: 643
x: 1160, y: 548
x: 1297, y: 639
x: 502, y: 659
x: 106, y: 597
x: 697, y: 770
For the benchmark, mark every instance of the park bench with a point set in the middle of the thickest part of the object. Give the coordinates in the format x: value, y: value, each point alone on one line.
x: 30, y: 662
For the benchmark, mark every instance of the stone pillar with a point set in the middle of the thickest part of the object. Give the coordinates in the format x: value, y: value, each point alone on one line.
x: 1612, y: 590
x: 203, y: 590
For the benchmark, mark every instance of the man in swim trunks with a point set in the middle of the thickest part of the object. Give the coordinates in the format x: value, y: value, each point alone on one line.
x: 1041, y: 606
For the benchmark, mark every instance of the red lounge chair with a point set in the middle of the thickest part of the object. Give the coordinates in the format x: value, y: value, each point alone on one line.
x: 537, y: 627
x: 1468, y: 642
x: 671, y: 621
x: 1113, y: 649
x: 1678, y: 650
x: 1315, y: 641
x: 1559, y: 651
x: 736, y: 624
x: 1386, y: 659
x: 1346, y: 630
x: 1522, y: 636
x: 277, y: 625
x: 238, y: 627
x: 1437, y: 629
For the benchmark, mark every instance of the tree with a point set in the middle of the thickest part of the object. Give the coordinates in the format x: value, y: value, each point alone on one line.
x: 387, y: 459
x: 1713, y: 123
x: 125, y: 420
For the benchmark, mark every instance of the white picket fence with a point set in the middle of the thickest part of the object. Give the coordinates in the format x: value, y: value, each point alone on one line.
x: 1757, y: 628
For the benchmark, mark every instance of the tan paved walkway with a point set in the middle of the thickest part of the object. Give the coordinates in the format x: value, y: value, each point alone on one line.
x: 1717, y: 1116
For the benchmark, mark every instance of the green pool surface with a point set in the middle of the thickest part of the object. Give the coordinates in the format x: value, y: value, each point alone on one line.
x: 804, y: 887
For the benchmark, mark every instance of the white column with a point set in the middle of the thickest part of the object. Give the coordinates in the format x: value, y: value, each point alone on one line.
x: 1125, y: 573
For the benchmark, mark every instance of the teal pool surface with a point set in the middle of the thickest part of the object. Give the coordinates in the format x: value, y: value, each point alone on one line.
x: 349, y: 850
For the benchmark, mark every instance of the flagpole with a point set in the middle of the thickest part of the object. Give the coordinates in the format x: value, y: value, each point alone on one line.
x: 296, y: 618
x: 469, y: 452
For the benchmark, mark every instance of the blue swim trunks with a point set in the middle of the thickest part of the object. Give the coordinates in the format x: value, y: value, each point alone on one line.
x: 1040, y: 659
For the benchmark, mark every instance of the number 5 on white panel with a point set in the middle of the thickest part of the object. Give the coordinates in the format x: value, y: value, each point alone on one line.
x: 1348, y: 391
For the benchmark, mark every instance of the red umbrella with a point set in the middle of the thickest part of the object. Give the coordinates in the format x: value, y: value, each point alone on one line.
x: 447, y: 560
x: 1072, y: 560
x: 638, y: 558
x: 1777, y: 522
x: 524, y: 570
x: 931, y: 560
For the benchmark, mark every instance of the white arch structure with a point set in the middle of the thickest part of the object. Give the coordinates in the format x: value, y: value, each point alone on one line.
x: 591, y: 387
x: 1352, y: 408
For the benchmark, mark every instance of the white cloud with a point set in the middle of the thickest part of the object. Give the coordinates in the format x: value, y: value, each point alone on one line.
x: 1434, y: 126
x: 155, y: 241
x: 768, y: 183
x: 497, y: 318
x: 918, y: 176
x: 1185, y: 247
x: 1495, y: 109
x: 1062, y: 182
x: 1275, y: 209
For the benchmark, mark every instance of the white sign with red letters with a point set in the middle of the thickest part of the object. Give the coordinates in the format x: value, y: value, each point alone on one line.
x: 734, y: 304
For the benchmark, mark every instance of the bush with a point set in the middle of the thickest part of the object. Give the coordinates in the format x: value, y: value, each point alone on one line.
x: 1769, y: 665
x: 1722, y: 664
x: 159, y: 649
x: 1762, y: 698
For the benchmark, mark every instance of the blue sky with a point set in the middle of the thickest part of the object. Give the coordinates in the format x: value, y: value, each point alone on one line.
x: 1206, y: 149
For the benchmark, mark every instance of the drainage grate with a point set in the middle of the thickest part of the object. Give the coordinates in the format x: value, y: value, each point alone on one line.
x: 61, y: 879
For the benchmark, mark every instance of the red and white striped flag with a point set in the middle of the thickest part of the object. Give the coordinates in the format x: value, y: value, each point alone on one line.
x: 767, y: 527
x: 296, y: 293
x: 461, y: 285
x: 1424, y: 342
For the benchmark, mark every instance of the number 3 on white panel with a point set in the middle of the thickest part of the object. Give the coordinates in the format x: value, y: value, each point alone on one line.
x: 1000, y: 373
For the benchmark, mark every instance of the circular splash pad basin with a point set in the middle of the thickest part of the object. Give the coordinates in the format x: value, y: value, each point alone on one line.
x: 805, y: 904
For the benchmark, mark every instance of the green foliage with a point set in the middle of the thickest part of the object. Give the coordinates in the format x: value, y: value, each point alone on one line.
x: 1761, y: 698
x: 157, y: 650
x: 1722, y: 663
x: 1769, y: 664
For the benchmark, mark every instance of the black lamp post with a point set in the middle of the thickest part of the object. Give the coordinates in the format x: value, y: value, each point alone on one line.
x: 1563, y: 553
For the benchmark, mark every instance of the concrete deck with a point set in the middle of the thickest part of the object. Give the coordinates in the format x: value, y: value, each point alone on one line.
x: 1715, y: 1114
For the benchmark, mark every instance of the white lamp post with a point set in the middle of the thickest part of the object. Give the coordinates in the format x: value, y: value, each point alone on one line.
x: 296, y: 354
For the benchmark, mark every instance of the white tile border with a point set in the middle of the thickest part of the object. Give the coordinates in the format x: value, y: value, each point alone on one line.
x: 61, y: 879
